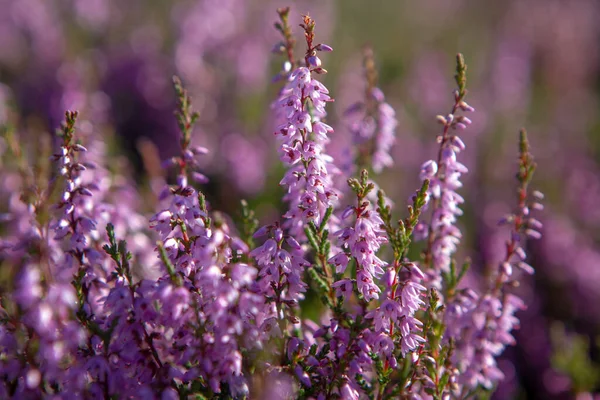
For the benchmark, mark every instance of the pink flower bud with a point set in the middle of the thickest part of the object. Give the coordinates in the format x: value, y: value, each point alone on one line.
x: 323, y: 47
x: 314, y: 61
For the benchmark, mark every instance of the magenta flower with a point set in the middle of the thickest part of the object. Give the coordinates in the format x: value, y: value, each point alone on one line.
x: 280, y: 275
x: 301, y: 109
x: 482, y: 325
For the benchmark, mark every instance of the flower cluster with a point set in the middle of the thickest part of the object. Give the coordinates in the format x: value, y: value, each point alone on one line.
x: 482, y: 325
x: 372, y: 122
x: 360, y: 242
x: 188, y: 305
x: 44, y: 322
x: 281, y: 271
x: 398, y: 310
x: 206, y: 294
x: 441, y: 233
x: 301, y: 106
x: 73, y: 222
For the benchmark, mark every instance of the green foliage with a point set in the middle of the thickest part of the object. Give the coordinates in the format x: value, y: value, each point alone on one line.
x: 186, y: 118
x: 321, y: 272
x: 526, y: 165
x: 453, y: 277
x: 461, y: 75
x: 571, y: 356
x: 175, y: 278
x: 249, y: 224
x: 400, y: 237
x: 118, y: 252
x: 67, y: 131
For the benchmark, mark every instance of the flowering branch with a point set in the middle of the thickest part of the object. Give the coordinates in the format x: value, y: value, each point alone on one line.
x: 444, y: 175
x: 373, y: 130
x: 481, y: 327
x: 198, y: 309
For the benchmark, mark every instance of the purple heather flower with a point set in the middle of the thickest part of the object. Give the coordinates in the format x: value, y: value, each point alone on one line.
x: 396, y: 314
x: 372, y: 122
x: 481, y: 327
x: 343, y: 288
x: 444, y: 179
x: 361, y: 242
x: 484, y: 332
x: 374, y: 130
x: 210, y: 311
x: 280, y: 275
x: 308, y: 180
x: 348, y: 392
x: 46, y: 320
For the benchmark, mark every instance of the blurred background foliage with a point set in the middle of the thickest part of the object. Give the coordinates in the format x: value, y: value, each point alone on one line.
x: 532, y: 63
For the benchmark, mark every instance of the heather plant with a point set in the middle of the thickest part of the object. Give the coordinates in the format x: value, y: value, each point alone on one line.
x: 194, y: 305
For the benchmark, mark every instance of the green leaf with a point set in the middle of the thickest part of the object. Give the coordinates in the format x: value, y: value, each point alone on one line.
x: 324, y: 242
x: 326, y: 218
x: 311, y: 238
x: 443, y: 381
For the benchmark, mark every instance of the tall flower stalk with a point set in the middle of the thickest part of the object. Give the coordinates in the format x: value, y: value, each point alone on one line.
x: 440, y: 232
x: 304, y: 135
x: 360, y: 243
x: 89, y: 310
x: 372, y: 122
x: 311, y: 196
x: 482, y: 326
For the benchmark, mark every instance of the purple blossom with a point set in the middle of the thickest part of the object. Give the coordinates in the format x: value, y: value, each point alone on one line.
x: 280, y: 275
x: 482, y: 325
x: 98, y: 301
x: 373, y: 125
x: 361, y: 242
x: 441, y: 232
x: 301, y: 106
x: 395, y: 316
